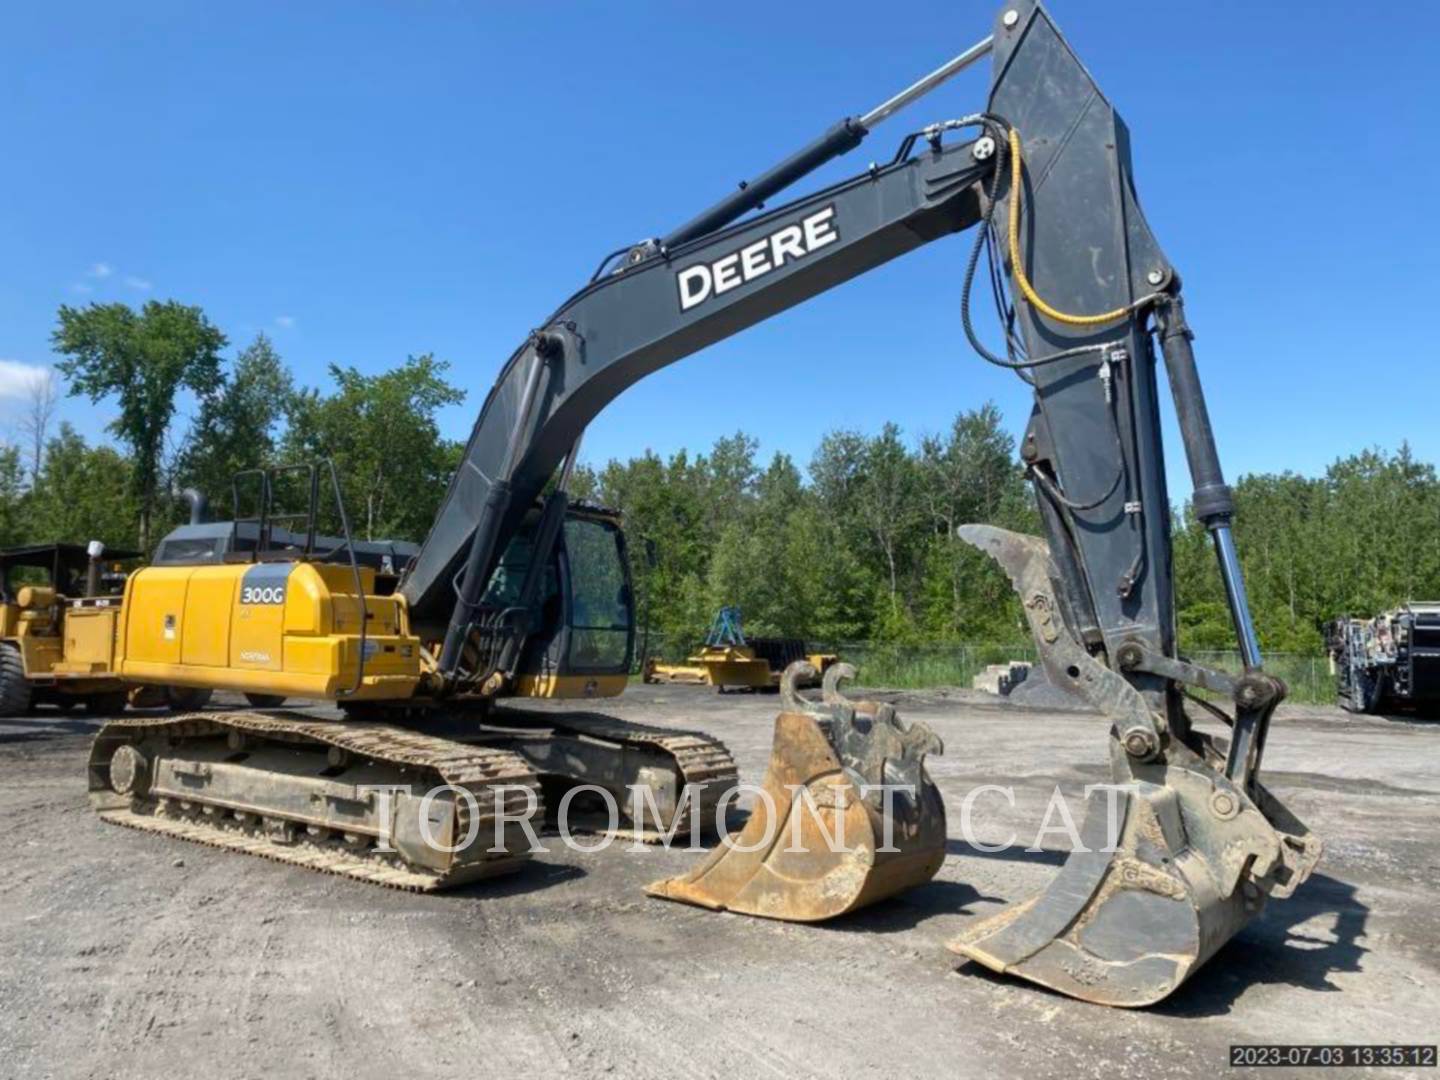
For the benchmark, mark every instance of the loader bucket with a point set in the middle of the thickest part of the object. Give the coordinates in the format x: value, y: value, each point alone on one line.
x: 1173, y: 859
x: 816, y: 844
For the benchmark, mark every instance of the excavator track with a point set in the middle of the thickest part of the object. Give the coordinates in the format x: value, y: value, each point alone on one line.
x: 700, y: 761
x: 306, y: 816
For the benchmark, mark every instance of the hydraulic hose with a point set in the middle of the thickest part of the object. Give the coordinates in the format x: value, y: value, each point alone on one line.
x: 986, y: 225
x: 1017, y: 265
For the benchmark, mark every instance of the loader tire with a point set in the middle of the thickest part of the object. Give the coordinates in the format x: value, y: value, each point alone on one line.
x: 265, y: 701
x: 186, y: 698
x: 14, y: 687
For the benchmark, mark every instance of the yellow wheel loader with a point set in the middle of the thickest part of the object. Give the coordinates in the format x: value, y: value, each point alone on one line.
x: 516, y: 593
x: 58, y: 612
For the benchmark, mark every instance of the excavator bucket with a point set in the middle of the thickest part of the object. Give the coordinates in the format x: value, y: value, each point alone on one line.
x: 1160, y: 882
x: 846, y: 814
x: 1173, y: 858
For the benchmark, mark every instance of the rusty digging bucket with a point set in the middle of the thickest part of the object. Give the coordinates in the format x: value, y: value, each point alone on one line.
x: 1174, y: 859
x: 816, y: 844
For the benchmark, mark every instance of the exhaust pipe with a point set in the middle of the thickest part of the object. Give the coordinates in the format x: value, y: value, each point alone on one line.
x: 199, y: 505
x: 96, y: 550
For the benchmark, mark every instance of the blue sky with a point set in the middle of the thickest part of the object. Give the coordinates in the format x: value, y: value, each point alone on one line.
x: 363, y: 181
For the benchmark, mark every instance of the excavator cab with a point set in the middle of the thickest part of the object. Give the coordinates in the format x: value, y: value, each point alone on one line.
x: 584, y: 634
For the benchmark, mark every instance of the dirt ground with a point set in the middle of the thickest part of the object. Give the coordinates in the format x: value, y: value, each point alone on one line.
x: 129, y: 955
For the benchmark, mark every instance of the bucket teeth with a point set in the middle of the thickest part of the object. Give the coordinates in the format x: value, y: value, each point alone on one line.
x: 823, y: 839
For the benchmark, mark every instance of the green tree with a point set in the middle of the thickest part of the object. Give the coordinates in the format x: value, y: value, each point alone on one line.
x: 970, y: 475
x: 747, y: 567
x: 239, y: 427
x: 143, y: 360
x: 728, y: 476
x: 1357, y: 540
x: 875, y: 483
x: 382, y: 434
x: 12, y: 500
x: 82, y: 493
x: 664, y: 508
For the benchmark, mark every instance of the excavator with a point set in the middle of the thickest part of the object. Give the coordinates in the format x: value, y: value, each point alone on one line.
x: 516, y: 592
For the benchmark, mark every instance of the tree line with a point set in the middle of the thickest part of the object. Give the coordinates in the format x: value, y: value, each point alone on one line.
x: 866, y: 551
x: 859, y: 545
x: 245, y: 412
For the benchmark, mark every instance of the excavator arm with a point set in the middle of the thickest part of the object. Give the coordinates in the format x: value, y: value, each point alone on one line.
x: 1196, y: 843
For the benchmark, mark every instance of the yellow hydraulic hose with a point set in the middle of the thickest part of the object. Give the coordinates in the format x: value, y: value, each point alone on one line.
x: 1018, y: 267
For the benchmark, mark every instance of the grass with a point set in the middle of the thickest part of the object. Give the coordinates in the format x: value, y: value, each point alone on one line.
x: 919, y: 667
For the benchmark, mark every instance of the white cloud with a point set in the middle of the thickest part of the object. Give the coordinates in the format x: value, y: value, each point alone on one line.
x: 100, y: 275
x: 285, y: 322
x: 18, y: 380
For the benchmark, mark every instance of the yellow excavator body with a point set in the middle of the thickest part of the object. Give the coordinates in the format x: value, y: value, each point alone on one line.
x: 289, y: 628
x: 275, y: 623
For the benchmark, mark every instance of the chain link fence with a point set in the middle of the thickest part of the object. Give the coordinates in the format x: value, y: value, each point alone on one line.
x: 920, y: 666
x: 1308, y: 676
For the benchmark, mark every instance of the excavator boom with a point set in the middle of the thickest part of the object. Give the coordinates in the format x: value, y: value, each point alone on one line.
x: 667, y: 304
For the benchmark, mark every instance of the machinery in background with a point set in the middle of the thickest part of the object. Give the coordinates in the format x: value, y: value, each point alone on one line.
x: 59, y: 605
x: 1389, y: 662
x: 730, y: 660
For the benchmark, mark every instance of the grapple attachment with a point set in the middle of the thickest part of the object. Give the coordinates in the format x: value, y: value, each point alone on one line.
x: 1174, y: 857
x: 846, y: 814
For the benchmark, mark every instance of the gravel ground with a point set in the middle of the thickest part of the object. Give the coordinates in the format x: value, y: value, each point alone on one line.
x: 129, y: 955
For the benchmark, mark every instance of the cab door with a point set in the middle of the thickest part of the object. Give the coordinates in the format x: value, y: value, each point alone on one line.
x: 599, y: 634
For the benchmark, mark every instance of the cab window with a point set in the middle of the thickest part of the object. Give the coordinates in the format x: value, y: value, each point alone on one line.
x: 509, y: 576
x: 600, y: 597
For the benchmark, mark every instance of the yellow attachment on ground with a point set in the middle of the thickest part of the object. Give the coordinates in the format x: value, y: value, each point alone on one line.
x: 728, y: 666
x: 1017, y: 265
x: 716, y: 665
x: 818, y: 843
